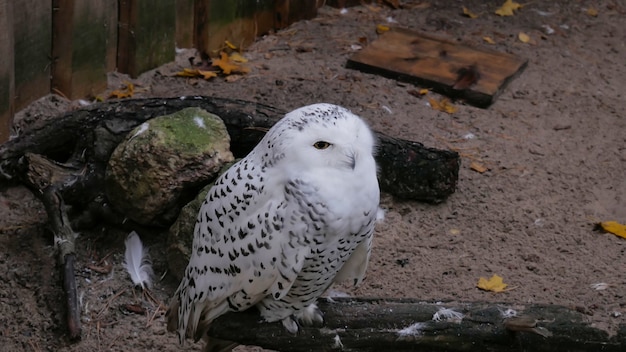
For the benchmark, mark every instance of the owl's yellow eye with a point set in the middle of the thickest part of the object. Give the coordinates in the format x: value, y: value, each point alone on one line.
x: 321, y: 145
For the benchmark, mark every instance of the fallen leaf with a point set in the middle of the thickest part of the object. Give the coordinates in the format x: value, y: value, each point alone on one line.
x: 494, y: 284
x: 227, y: 65
x: 469, y: 13
x: 614, y: 227
x: 126, y: 92
x: 592, y: 11
x: 381, y: 28
x: 523, y: 37
x: 194, y: 72
x: 236, y: 57
x: 489, y: 40
x: 230, y: 45
x: 508, y: 8
x: 442, y: 105
x: 478, y: 167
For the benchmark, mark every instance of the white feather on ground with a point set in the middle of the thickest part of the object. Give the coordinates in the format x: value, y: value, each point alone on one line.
x: 137, y: 262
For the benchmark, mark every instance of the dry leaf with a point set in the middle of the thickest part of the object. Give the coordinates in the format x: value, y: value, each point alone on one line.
x: 126, y: 92
x: 230, y: 45
x: 614, y: 227
x: 494, y: 284
x: 469, y: 13
x: 489, y: 40
x: 478, y: 167
x: 508, y: 8
x: 381, y: 28
x: 236, y: 57
x: 227, y: 65
x: 194, y: 72
x: 423, y: 91
x: 442, y: 105
x: 592, y: 11
x: 523, y: 37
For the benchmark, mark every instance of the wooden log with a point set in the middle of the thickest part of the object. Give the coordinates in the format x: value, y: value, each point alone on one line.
x: 476, y: 75
x: 83, y: 46
x: 146, y: 35
x: 32, y: 24
x: 7, y: 79
x: 360, y: 324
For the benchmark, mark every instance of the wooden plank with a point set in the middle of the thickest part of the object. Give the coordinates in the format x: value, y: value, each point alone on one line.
x: 239, y: 21
x: 184, y: 23
x: 147, y: 33
x: 346, y: 3
x: 32, y: 30
x: 7, y: 82
x: 290, y: 11
x: 82, y: 45
x: 474, y: 74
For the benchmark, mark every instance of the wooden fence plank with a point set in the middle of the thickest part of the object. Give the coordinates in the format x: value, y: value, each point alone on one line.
x: 239, y: 22
x: 32, y: 30
x: 7, y: 83
x: 146, y: 35
x: 184, y: 23
x: 81, y: 46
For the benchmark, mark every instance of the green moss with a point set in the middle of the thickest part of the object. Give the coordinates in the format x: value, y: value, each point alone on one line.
x: 183, y: 130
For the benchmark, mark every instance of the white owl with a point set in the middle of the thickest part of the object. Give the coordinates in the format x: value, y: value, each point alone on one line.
x: 284, y: 223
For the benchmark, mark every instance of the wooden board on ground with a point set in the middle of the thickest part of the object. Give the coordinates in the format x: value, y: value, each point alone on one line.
x: 7, y: 83
x: 84, y: 46
x: 459, y: 71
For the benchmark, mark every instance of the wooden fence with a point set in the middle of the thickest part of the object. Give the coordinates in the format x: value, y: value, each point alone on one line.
x: 68, y: 46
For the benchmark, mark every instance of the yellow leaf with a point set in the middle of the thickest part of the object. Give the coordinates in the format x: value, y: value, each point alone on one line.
x: 508, y: 8
x: 236, y: 57
x: 614, y: 227
x: 424, y: 91
x: 478, y: 167
x: 592, y: 11
x: 494, y: 284
x: 230, y: 45
x: 193, y: 72
x: 469, y: 13
x: 523, y: 37
x: 489, y: 40
x: 442, y: 105
x: 381, y: 28
x: 126, y: 92
x: 227, y: 65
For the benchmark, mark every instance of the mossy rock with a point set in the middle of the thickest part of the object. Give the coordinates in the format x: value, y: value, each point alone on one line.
x: 151, y: 174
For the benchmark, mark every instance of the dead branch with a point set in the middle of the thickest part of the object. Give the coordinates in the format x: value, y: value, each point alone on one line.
x: 359, y: 324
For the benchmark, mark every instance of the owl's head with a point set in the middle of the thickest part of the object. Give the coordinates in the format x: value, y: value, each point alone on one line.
x: 320, y: 136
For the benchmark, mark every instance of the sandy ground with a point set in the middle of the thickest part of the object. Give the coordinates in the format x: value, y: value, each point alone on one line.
x: 554, y: 144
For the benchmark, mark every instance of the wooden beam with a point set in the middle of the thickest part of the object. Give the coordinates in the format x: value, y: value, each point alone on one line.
x: 147, y: 31
x: 7, y: 81
x: 32, y: 29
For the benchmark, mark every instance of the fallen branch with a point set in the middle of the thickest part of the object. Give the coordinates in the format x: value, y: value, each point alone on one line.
x: 356, y: 324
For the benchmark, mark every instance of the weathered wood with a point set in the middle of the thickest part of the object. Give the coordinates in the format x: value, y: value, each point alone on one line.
x: 64, y: 238
x: 239, y: 22
x: 32, y: 24
x: 146, y: 35
x: 346, y: 3
x: 290, y: 11
x: 476, y: 75
x: 84, y: 39
x: 358, y: 324
x: 184, y: 23
x: 407, y: 169
x: 7, y: 79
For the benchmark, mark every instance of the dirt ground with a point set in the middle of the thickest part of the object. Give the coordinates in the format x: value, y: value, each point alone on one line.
x: 554, y: 144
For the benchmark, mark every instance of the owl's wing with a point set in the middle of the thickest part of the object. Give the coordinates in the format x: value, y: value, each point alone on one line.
x: 355, y: 267
x: 242, y: 251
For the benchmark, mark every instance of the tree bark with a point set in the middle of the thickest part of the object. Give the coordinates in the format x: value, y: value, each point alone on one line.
x: 359, y: 324
x: 86, y: 138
